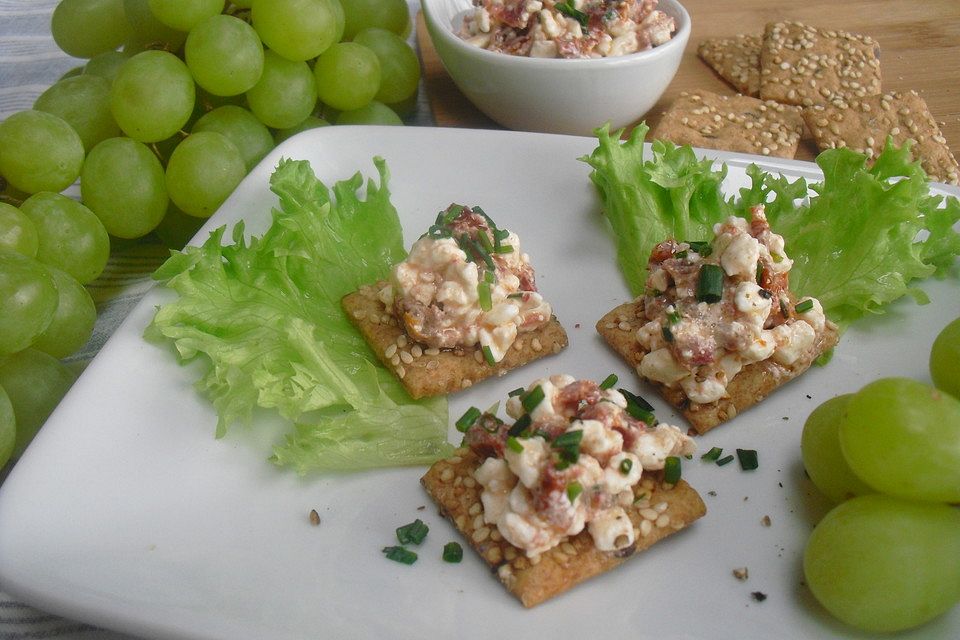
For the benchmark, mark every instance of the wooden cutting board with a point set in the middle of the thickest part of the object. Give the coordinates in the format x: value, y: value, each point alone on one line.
x: 919, y: 41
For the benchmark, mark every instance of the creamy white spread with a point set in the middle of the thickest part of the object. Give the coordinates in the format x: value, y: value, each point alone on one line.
x: 539, y: 489
x: 568, y: 29
x: 447, y: 298
x: 700, y: 345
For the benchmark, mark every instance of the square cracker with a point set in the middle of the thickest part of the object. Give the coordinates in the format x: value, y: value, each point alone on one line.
x: 427, y: 372
x: 754, y: 382
x: 736, y: 60
x: 864, y: 124
x: 805, y: 65
x: 451, y: 485
x: 732, y: 123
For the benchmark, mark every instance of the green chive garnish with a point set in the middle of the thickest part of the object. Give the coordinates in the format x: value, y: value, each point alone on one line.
x: 567, y: 445
x: 673, y: 317
x: 504, y: 248
x: 710, y: 283
x: 671, y: 470
x: 759, y: 272
x: 467, y: 419
x: 702, y: 248
x: 567, y: 9
x: 724, y: 460
x: 667, y: 333
x: 609, y: 381
x: 401, y: 555
x: 520, y: 425
x: 489, y: 277
x: 488, y: 355
x: 574, y: 489
x: 485, y: 241
x: 777, y: 258
x: 712, y: 455
x: 483, y: 292
x: 516, y: 392
x: 532, y: 399
x: 514, y: 445
x: 452, y: 552
x: 680, y: 255
x: 412, y: 533
x: 803, y: 307
x: 748, y: 459
x: 639, y: 408
x: 625, y: 466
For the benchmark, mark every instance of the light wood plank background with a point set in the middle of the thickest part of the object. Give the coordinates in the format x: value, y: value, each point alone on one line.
x: 919, y: 41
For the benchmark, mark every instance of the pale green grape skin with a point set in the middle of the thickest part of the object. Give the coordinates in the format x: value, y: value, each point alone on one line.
x: 902, y: 437
x: 8, y: 428
x: 310, y: 122
x: 224, y: 55
x: 203, y: 170
x: 72, y: 323
x: 183, y: 15
x: 39, y: 152
x: 152, y: 96
x: 285, y: 94
x: 399, y: 67
x: 177, y: 228
x: 393, y: 15
x: 123, y: 183
x: 84, y: 28
x: 945, y: 359
x: 883, y: 564
x: 298, y: 30
x: 71, y: 237
x: 147, y: 31
x: 106, y: 65
x: 29, y: 298
x: 84, y: 103
x: 372, y: 113
x: 242, y: 128
x: 35, y: 382
x: 822, y: 458
x: 348, y: 76
x: 17, y: 231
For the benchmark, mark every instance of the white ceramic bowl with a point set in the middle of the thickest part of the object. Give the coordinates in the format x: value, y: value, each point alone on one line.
x: 555, y: 95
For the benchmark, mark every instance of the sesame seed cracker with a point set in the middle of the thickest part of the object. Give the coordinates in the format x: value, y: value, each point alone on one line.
x: 736, y: 60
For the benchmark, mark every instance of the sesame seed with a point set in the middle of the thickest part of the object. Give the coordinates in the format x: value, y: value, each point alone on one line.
x: 481, y: 534
x: 390, y: 351
x: 446, y: 475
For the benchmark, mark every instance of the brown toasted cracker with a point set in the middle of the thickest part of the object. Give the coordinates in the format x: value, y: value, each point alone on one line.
x: 732, y: 123
x: 451, y: 485
x: 425, y: 372
x: 805, y: 65
x: 736, y: 60
x: 754, y: 382
x: 865, y: 124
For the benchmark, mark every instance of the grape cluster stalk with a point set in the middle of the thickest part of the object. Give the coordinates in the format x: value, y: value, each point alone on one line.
x: 177, y: 102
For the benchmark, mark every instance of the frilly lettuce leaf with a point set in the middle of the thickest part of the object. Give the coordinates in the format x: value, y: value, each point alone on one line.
x: 266, y: 315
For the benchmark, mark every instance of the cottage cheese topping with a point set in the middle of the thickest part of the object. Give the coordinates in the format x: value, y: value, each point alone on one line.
x: 701, y: 345
x: 446, y: 298
x: 538, y: 489
x: 568, y: 29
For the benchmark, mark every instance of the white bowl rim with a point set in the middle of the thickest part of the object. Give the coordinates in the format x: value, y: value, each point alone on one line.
x: 679, y: 39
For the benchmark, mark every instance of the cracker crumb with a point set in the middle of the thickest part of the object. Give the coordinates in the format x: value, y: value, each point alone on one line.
x: 314, y: 518
x: 741, y: 573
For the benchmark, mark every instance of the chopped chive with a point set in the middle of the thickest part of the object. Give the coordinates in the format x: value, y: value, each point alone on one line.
x: 748, y: 459
x: 639, y: 408
x: 451, y: 213
x: 671, y: 470
x: 803, y: 307
x: 574, y: 489
x: 710, y: 283
x: 452, y: 552
x: 401, y: 555
x: 777, y: 258
x: 488, y: 355
x: 483, y: 292
x: 640, y: 402
x: 673, y: 317
x: 724, y: 460
x: 532, y: 399
x: 514, y: 445
x: 485, y: 241
x: 759, y: 272
x: 504, y: 248
x: 625, y: 466
x: 667, y: 333
x: 567, y: 445
x: 520, y: 425
x: 412, y: 533
x: 567, y: 9
x: 516, y: 392
x: 702, y: 248
x: 712, y: 455
x: 680, y: 255
x: 489, y: 277
x: 609, y: 381
x: 467, y: 419
x: 517, y: 295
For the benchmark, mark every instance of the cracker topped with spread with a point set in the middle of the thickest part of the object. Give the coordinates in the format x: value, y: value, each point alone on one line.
x: 463, y: 306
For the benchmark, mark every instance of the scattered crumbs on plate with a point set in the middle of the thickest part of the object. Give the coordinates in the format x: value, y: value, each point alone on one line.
x: 759, y: 596
x: 780, y: 484
x: 314, y: 518
x: 421, y: 507
x: 741, y: 573
x: 745, y: 498
x: 785, y: 418
x: 576, y: 326
x: 809, y: 397
x: 765, y: 521
x: 712, y: 493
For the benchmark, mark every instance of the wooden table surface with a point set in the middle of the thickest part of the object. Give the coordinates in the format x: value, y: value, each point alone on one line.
x: 919, y: 42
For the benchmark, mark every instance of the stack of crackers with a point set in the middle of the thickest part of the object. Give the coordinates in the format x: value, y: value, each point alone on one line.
x: 795, y: 77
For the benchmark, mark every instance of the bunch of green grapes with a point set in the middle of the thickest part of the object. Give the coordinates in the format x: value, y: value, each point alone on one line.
x: 887, y: 557
x: 178, y: 101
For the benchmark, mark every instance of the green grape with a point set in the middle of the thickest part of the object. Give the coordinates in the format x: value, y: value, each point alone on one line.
x: 177, y: 228
x: 17, y: 231
x: 372, y: 113
x: 883, y: 564
x: 39, y: 152
x: 902, y: 437
x: 8, y: 428
x: 76, y: 71
x: 123, y: 183
x: 399, y: 67
x: 35, y: 382
x: 184, y: 15
x: 310, y: 122
x: 822, y: 458
x: 71, y: 237
x: 285, y: 94
x: 242, y: 128
x: 72, y: 323
x: 296, y: 29
x: 406, y: 107
x: 147, y: 31
x: 204, y: 169
x: 84, y: 28
x: 393, y: 15
x: 348, y: 76
x: 84, y: 103
x: 152, y: 96
x: 106, y: 65
x: 945, y: 359
x: 29, y: 301
x: 224, y: 55
x: 243, y: 4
